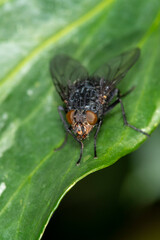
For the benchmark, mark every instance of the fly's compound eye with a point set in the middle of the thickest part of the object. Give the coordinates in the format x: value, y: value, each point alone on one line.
x: 70, y: 116
x: 91, y: 117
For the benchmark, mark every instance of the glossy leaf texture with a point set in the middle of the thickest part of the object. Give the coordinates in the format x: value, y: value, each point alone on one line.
x: 34, y: 178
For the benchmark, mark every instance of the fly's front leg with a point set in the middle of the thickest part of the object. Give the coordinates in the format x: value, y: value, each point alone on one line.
x: 60, y: 108
x: 81, y: 152
x: 68, y: 131
x: 95, y: 138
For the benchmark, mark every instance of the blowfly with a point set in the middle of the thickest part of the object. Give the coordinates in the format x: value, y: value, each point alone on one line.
x: 87, y: 99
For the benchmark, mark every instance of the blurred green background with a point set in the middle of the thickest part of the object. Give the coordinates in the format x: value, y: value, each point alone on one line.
x: 119, y: 202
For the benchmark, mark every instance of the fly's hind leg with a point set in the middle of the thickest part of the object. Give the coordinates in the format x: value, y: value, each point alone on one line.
x: 124, y: 116
x: 119, y: 100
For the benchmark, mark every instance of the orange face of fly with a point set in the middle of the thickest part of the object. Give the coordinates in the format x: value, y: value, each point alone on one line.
x: 82, y: 122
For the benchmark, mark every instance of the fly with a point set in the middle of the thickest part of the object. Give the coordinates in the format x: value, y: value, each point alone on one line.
x: 87, y: 99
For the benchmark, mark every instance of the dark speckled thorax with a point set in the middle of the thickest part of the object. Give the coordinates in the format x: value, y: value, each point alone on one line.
x: 85, y: 95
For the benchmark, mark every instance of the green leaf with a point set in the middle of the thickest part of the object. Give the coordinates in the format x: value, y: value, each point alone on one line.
x: 34, y: 178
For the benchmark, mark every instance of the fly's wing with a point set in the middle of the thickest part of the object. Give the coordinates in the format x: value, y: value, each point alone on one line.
x: 65, y: 71
x: 117, y: 68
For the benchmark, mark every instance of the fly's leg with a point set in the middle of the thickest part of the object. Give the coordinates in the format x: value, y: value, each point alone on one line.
x: 60, y: 109
x: 125, y: 119
x: 126, y: 93
x: 110, y: 107
x: 63, y: 144
x: 68, y: 131
x: 95, y: 138
x: 119, y: 100
x: 81, y: 152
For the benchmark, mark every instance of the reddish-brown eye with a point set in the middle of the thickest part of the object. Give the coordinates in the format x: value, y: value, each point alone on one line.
x: 91, y: 117
x: 69, y: 116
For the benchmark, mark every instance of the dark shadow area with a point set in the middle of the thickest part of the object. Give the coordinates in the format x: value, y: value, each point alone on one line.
x: 98, y: 207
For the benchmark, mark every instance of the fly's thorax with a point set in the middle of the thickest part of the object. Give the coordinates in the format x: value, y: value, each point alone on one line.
x: 83, y: 95
x: 82, y: 122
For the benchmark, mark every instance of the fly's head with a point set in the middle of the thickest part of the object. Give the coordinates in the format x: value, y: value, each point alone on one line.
x: 82, y: 122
